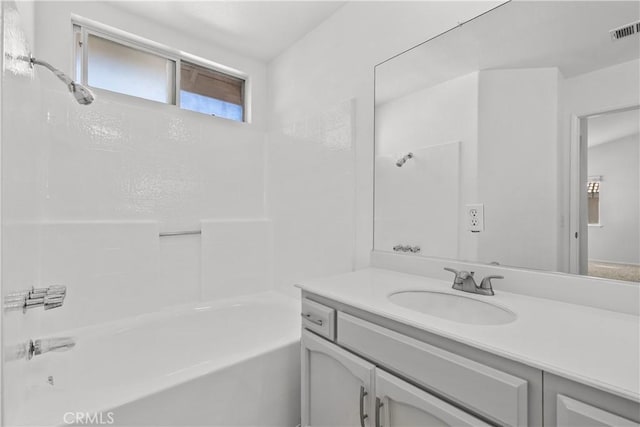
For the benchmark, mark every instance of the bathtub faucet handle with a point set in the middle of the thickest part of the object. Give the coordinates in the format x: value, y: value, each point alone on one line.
x: 48, y: 298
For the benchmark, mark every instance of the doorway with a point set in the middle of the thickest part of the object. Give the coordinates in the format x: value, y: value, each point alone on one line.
x: 609, y: 195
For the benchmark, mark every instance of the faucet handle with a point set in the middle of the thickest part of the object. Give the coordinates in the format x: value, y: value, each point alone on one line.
x: 454, y: 271
x: 486, y: 282
x: 460, y: 276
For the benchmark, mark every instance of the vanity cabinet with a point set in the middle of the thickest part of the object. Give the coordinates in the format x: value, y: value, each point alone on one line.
x: 356, y: 372
x: 341, y: 389
x: 401, y: 404
x: 336, y: 385
x: 571, y: 404
x: 406, y: 376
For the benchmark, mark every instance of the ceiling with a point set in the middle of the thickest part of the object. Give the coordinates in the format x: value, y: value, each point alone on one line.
x: 570, y: 35
x: 258, y: 29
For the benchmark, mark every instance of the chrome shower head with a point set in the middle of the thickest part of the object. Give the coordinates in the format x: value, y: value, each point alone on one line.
x: 82, y: 94
x: 404, y: 159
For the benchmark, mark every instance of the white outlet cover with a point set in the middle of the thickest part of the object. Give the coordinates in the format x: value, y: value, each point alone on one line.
x: 474, y: 216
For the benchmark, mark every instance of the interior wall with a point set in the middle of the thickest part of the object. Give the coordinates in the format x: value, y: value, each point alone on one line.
x: 617, y: 238
x: 517, y: 167
x: 87, y: 189
x: 323, y: 218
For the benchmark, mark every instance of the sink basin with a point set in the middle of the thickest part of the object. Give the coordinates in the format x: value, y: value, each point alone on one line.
x: 457, y: 308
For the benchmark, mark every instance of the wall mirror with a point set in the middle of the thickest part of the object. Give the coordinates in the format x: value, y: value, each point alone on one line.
x: 513, y: 139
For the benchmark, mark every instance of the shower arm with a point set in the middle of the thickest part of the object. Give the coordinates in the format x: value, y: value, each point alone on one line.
x: 83, y: 95
x: 65, y: 79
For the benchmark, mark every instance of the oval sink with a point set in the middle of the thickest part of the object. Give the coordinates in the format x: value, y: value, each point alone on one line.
x: 453, y: 307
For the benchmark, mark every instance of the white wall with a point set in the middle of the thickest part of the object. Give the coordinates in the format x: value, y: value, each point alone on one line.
x: 322, y: 212
x: 517, y: 167
x: 617, y: 239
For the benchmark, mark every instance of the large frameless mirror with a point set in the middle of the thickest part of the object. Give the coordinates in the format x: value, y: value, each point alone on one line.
x: 514, y: 139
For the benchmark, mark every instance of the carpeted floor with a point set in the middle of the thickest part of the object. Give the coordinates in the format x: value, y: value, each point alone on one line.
x: 630, y: 273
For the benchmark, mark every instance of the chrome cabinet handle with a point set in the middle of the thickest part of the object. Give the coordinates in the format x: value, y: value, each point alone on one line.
x: 379, y: 405
x: 311, y: 319
x: 363, y: 416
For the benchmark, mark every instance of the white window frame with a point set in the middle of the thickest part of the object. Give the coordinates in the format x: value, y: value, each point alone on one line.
x: 86, y: 27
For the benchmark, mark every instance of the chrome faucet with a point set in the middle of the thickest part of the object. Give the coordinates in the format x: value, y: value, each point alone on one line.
x: 38, y: 347
x: 465, y: 282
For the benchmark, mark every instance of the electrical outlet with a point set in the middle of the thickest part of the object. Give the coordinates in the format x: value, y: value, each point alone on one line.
x: 475, y: 217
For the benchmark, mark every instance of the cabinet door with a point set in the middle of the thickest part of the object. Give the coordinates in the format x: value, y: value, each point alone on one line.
x: 337, y: 387
x: 399, y: 404
x: 570, y: 412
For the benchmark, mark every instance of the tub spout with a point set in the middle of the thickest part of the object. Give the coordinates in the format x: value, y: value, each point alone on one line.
x: 53, y: 344
x: 38, y: 347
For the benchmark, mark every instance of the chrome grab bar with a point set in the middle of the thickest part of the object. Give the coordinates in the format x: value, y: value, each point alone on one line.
x: 179, y: 233
x: 48, y: 298
x: 363, y: 416
x: 407, y: 248
x: 309, y: 317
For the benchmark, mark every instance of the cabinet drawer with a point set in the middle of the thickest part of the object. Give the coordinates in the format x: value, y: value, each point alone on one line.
x: 573, y: 413
x: 319, y: 318
x: 494, y: 394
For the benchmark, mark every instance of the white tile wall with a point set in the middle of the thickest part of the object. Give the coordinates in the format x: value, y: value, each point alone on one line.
x: 86, y: 189
x: 311, y: 193
x: 236, y: 257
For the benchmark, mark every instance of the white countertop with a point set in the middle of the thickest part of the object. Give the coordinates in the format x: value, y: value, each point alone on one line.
x: 599, y: 348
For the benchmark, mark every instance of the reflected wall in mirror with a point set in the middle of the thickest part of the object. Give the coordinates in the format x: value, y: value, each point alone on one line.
x: 503, y: 139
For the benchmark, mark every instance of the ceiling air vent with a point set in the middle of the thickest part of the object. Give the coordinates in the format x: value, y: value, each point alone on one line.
x: 625, y: 31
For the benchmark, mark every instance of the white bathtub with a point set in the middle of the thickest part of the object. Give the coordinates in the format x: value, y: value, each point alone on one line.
x: 225, y: 363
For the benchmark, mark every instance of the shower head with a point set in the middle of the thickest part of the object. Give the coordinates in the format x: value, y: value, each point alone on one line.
x: 82, y: 94
x: 404, y: 159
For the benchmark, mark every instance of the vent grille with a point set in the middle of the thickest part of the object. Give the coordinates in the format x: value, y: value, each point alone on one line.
x: 625, y: 31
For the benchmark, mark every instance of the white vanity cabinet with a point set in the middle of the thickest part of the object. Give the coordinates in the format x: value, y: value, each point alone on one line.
x: 571, y: 404
x: 337, y: 387
x: 357, y: 373
x: 340, y: 389
x: 364, y: 369
x: 571, y: 412
x: 400, y: 404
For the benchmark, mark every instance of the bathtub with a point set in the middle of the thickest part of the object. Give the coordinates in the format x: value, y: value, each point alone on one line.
x: 234, y: 362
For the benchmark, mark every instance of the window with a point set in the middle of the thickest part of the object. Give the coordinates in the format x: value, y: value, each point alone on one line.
x: 211, y: 92
x: 111, y: 60
x: 593, y: 201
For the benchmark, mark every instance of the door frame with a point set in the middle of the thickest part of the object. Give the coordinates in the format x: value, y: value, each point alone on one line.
x: 578, y: 227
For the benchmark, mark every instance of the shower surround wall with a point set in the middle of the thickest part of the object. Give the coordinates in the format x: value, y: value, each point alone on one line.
x: 88, y: 188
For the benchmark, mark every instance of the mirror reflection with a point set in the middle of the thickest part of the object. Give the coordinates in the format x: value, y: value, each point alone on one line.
x: 514, y: 139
